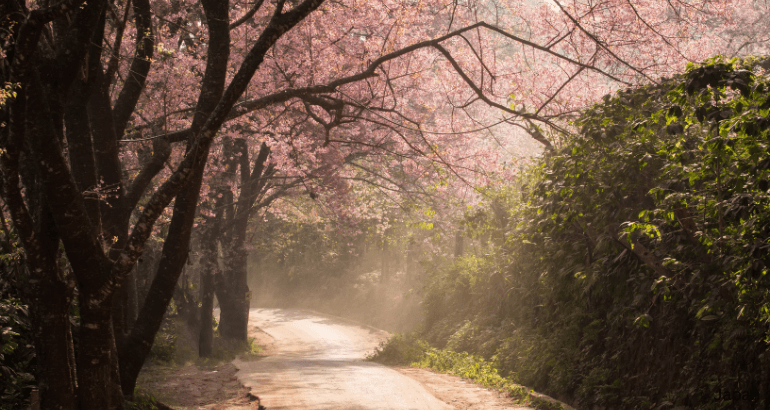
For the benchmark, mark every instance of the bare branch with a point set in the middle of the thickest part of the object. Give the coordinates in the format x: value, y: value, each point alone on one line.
x: 601, y: 44
x: 249, y: 14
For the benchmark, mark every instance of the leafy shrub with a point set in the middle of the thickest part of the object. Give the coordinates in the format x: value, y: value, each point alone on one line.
x: 400, y: 349
x: 408, y: 349
x: 17, y: 354
x: 164, y: 348
x: 464, y: 365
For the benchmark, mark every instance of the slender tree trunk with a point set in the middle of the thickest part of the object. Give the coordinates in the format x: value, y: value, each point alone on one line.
x: 385, y: 262
x: 459, y: 244
x: 409, y: 260
x: 206, y: 335
x: 209, y: 269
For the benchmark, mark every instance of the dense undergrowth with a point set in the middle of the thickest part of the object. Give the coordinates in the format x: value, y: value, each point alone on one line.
x: 176, y: 345
x: 17, y: 355
x: 631, y: 271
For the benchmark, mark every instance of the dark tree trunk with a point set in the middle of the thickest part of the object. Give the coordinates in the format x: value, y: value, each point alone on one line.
x: 234, y: 297
x: 139, y: 342
x: 99, y: 387
x: 209, y: 269
x: 206, y: 335
x: 49, y: 298
x: 53, y: 340
x: 81, y: 156
x: 232, y: 287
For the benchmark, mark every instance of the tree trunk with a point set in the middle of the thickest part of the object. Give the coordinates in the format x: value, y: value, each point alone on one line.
x: 139, y: 342
x: 459, y: 244
x: 209, y: 269
x: 385, y: 262
x: 97, y: 373
x: 232, y: 286
x: 49, y: 298
x: 409, y: 270
x: 53, y: 341
x: 235, y: 297
x: 132, y: 299
x: 206, y: 335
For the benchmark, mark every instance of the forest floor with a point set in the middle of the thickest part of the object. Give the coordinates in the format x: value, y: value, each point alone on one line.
x: 194, y: 387
x: 297, y: 348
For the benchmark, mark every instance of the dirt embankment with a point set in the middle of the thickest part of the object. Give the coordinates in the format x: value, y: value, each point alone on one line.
x: 192, y: 387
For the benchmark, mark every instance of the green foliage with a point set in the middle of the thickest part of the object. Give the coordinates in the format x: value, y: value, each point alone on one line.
x: 164, y: 348
x: 175, y: 345
x: 464, y: 365
x: 408, y: 349
x: 17, y: 355
x: 400, y: 349
x: 634, y: 271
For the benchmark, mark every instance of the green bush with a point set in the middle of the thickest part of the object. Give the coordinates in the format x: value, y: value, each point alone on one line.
x: 408, y: 349
x: 17, y: 355
x: 164, y: 348
x: 400, y: 349
x: 464, y: 365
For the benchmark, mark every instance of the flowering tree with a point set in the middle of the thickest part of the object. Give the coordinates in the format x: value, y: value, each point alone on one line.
x: 118, y: 105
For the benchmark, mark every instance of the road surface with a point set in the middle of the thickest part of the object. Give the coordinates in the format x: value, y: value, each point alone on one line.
x: 317, y: 363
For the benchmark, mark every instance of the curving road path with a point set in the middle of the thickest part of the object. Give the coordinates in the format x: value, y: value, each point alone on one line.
x: 317, y: 363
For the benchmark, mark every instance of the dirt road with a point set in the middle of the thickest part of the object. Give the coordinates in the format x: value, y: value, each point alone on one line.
x: 316, y: 362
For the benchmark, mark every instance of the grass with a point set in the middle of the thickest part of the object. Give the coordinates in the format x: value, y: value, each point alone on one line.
x: 409, y: 350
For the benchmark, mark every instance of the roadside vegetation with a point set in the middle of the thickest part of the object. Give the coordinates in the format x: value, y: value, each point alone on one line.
x: 17, y: 354
x: 629, y: 268
x: 408, y: 349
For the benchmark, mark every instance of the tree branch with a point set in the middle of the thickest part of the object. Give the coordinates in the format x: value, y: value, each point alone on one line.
x: 249, y: 14
x: 140, y: 67
x: 161, y: 151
